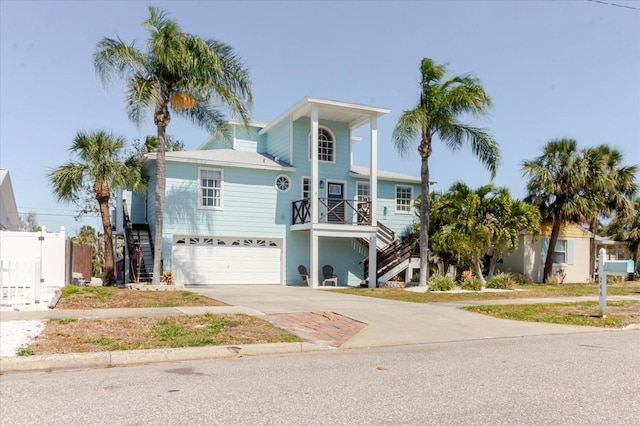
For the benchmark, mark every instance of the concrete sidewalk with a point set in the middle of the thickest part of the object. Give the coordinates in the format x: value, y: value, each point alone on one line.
x: 382, y: 323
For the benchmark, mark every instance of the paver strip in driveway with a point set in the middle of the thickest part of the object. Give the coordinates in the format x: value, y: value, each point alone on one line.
x: 322, y: 328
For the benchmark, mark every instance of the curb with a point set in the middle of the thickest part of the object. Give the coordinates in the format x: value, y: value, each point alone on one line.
x: 149, y: 356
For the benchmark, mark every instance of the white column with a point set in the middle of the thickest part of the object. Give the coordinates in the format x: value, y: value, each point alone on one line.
x: 373, y: 175
x: 313, y: 251
x: 373, y: 261
x: 313, y: 273
x: 314, y: 164
x: 373, y: 185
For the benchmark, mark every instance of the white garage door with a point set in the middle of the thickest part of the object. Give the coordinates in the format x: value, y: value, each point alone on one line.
x: 201, y: 259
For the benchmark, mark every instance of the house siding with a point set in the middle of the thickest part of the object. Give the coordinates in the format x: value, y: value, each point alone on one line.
x: 278, y: 141
x: 530, y: 256
x: 251, y: 205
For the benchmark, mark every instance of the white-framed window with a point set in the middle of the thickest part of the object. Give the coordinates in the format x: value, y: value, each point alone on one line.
x: 363, y: 191
x: 363, y: 196
x: 326, y: 145
x: 306, y: 188
x: 210, y: 188
x: 283, y: 183
x: 560, y: 252
x: 404, y: 198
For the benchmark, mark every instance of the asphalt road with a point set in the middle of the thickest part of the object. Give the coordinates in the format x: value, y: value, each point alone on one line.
x: 575, y: 379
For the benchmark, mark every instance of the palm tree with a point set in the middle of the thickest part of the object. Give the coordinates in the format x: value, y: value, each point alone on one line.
x: 98, y: 166
x: 557, y: 185
x: 627, y: 228
x: 619, y: 188
x: 437, y: 114
x: 179, y: 73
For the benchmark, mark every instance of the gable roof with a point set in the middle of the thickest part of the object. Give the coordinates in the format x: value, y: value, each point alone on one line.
x: 226, y: 157
x: 354, y: 114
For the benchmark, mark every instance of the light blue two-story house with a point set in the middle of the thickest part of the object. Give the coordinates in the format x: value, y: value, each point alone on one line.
x: 280, y: 194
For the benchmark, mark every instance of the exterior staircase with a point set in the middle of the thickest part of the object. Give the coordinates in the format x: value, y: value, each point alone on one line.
x: 140, y: 249
x: 393, y: 257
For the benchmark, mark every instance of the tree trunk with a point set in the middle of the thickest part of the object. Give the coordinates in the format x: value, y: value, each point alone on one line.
x: 102, y: 193
x: 478, y: 265
x: 159, y: 207
x: 492, y: 265
x: 424, y: 221
x: 555, y: 233
x: 161, y: 120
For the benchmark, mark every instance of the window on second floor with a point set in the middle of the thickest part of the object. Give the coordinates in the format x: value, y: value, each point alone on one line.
x: 404, y: 198
x: 306, y: 188
x: 210, y: 188
x: 326, y: 145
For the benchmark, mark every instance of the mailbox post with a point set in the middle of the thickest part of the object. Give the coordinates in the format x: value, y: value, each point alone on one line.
x: 602, y: 283
x: 612, y: 267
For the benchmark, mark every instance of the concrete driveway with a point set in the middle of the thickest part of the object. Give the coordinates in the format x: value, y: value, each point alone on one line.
x: 388, y: 322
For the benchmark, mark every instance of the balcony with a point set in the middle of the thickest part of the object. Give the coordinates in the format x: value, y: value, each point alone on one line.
x: 333, y: 211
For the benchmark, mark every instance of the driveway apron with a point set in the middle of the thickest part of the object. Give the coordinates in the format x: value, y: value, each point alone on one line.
x: 388, y: 322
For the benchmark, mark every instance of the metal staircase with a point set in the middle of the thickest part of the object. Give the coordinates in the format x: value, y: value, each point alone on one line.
x: 140, y: 248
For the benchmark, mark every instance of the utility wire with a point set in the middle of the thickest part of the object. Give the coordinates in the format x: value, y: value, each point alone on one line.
x: 624, y: 6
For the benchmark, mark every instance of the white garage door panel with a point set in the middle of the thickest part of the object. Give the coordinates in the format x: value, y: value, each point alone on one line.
x: 226, y: 265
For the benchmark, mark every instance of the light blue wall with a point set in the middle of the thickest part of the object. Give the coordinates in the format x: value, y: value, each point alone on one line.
x: 397, y: 222
x: 344, y: 254
x: 277, y: 141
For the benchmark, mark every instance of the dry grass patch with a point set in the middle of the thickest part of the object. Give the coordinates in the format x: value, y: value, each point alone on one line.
x: 112, y: 297
x: 619, y: 313
x: 111, y: 334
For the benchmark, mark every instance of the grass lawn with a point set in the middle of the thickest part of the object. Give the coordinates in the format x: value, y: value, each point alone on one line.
x: 520, y: 292
x: 113, y: 297
x: 126, y: 333
x: 619, y: 314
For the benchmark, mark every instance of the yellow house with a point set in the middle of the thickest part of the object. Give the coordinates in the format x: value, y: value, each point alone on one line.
x: 570, y: 256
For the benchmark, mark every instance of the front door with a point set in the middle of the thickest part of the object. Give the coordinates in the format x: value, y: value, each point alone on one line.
x: 335, y: 202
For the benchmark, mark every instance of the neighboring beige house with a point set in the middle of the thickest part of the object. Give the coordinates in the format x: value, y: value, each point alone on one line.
x: 9, y: 219
x: 571, y: 255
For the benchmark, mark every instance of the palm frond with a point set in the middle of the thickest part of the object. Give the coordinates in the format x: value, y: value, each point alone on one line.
x: 114, y: 58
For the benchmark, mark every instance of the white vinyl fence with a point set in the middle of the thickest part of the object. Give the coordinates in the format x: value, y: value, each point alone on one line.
x: 32, y: 266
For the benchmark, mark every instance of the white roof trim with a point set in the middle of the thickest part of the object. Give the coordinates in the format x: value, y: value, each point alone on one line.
x: 303, y: 107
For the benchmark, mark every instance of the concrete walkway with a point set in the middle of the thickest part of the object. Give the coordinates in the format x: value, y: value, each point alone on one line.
x: 324, y: 317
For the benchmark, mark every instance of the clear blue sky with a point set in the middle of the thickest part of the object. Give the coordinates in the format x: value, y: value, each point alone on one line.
x: 553, y: 69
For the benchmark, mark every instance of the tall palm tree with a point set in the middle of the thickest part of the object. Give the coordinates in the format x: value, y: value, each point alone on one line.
x: 441, y: 104
x: 179, y: 73
x: 557, y: 185
x: 99, y: 165
x: 619, y: 188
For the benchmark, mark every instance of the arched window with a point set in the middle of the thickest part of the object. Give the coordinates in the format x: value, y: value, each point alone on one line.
x: 326, y: 145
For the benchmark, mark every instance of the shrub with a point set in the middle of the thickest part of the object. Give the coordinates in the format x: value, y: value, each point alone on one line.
x: 25, y: 351
x: 472, y: 284
x: 551, y: 280
x: 466, y: 275
x: 614, y: 278
x: 501, y: 281
x: 441, y: 283
x: 69, y: 289
x: 521, y: 279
